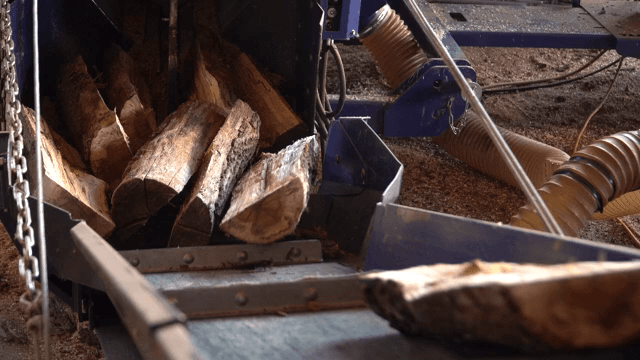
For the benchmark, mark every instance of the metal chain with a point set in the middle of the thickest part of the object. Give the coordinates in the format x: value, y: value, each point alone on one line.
x: 27, y: 264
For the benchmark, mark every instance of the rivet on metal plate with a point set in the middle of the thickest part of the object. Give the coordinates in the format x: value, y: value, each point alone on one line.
x: 242, y: 256
x: 135, y: 261
x: 240, y: 299
x: 295, y: 252
x: 187, y: 258
x: 311, y: 294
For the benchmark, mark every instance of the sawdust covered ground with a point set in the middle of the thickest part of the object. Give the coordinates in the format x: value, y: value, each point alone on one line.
x: 436, y: 181
x: 68, y: 340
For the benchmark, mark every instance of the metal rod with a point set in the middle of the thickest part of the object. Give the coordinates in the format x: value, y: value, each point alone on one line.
x: 42, y: 243
x: 523, y: 180
x: 173, y: 56
x: 156, y: 327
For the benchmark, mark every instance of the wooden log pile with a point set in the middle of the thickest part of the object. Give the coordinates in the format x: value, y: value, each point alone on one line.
x: 206, y: 160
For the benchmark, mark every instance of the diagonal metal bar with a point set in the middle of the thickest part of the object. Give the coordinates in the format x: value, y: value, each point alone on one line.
x: 156, y: 327
x: 523, y: 180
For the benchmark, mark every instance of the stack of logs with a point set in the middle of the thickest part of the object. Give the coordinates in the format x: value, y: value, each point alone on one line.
x: 125, y: 167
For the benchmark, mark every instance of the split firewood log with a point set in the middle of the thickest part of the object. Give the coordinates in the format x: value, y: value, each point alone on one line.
x: 211, y: 79
x: 129, y: 96
x: 269, y: 199
x: 81, y: 194
x: 530, y: 307
x: 164, y: 165
x: 276, y: 115
x: 96, y: 130
x: 226, y: 159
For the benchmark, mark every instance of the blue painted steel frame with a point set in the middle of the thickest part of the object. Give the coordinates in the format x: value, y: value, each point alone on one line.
x: 349, y: 20
x: 401, y: 237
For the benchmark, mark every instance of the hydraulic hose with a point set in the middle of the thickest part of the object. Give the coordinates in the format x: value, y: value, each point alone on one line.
x: 473, y: 146
x: 594, y: 176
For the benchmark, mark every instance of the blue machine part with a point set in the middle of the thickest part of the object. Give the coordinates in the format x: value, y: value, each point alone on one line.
x: 401, y: 237
x: 359, y: 171
x: 342, y: 18
x: 422, y: 109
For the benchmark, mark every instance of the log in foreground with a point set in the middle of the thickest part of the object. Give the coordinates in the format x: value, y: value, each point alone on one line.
x: 531, y: 307
x: 81, y: 194
x: 129, y: 96
x: 269, y: 199
x: 276, y: 115
x: 96, y: 130
x: 226, y: 159
x: 164, y: 165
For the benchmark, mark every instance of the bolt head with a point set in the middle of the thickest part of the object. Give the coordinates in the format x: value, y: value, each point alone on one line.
x: 295, y: 252
x: 240, y: 299
x: 135, y: 261
x: 310, y: 294
x: 242, y: 256
x: 188, y: 258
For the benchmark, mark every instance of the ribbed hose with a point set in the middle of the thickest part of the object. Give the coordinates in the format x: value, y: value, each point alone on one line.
x: 395, y: 49
x: 595, y: 175
x: 474, y: 147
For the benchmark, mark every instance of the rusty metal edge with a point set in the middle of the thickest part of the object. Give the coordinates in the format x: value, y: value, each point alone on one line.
x: 224, y: 256
x: 155, y: 326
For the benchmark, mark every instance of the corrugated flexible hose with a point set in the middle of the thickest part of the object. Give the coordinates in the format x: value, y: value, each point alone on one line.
x: 474, y: 147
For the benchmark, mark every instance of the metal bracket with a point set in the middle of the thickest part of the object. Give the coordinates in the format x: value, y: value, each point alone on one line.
x: 224, y: 256
x: 309, y: 294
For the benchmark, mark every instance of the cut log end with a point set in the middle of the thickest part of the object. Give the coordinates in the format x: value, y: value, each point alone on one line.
x: 268, y: 201
x: 272, y: 218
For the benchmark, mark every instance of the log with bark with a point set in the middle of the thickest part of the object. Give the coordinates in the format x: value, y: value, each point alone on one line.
x: 226, y: 159
x: 276, y: 115
x: 96, y: 130
x: 129, y: 96
x: 269, y: 199
x: 70, y: 188
x: 164, y: 165
x: 531, y: 307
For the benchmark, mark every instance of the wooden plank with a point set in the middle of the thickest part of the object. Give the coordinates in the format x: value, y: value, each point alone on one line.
x: 531, y: 307
x: 226, y: 159
x: 275, y: 113
x: 268, y: 201
x: 155, y: 326
x: 96, y: 130
x: 129, y: 96
x: 163, y: 166
x: 79, y: 193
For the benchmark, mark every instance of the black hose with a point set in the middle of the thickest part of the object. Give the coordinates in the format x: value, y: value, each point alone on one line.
x: 553, y: 84
x: 343, y: 81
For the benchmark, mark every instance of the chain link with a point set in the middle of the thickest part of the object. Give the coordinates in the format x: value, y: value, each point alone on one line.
x: 27, y: 264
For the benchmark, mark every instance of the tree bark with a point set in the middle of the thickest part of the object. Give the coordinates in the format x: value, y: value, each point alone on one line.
x: 268, y: 201
x: 129, y: 96
x: 96, y: 130
x: 164, y: 165
x: 226, y: 159
x: 276, y: 115
x: 81, y: 194
x: 531, y: 307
